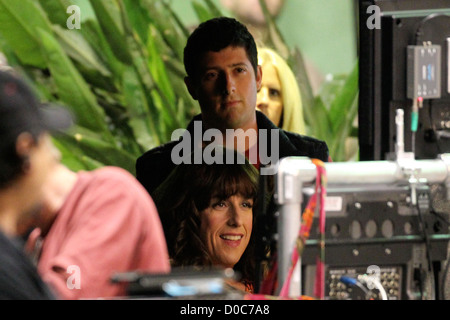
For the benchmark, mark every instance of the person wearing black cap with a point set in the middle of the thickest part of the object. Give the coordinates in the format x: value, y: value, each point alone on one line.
x: 27, y: 157
x: 90, y: 224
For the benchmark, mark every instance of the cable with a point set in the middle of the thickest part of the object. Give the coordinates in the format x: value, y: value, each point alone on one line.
x: 417, y: 103
x: 370, y: 280
x: 428, y: 250
x: 355, y: 282
x: 420, y: 28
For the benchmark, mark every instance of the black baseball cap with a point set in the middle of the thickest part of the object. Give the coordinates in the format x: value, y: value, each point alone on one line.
x: 20, y: 110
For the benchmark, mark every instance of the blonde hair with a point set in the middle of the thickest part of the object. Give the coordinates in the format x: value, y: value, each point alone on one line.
x: 293, y: 119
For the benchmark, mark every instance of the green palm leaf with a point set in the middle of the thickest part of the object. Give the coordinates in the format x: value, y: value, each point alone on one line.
x: 72, y: 90
x: 19, y: 21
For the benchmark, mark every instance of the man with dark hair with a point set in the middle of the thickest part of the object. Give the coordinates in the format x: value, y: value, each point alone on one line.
x: 27, y: 157
x: 220, y: 59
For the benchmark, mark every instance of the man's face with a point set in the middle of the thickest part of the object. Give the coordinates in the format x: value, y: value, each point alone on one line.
x: 226, y: 89
x: 44, y: 159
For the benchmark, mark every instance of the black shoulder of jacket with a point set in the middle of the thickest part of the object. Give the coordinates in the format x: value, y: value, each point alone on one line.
x: 154, y: 166
x: 294, y: 144
x: 308, y: 146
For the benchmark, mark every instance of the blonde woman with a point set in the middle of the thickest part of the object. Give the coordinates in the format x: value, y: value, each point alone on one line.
x: 279, y: 97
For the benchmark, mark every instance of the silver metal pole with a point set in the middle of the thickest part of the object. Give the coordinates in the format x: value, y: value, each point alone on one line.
x: 289, y: 195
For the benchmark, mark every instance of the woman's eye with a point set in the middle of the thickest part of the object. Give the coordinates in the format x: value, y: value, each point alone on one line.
x: 220, y: 204
x: 247, y: 204
x: 274, y: 93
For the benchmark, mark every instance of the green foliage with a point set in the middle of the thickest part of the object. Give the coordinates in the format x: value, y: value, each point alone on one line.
x: 122, y: 75
x: 330, y: 115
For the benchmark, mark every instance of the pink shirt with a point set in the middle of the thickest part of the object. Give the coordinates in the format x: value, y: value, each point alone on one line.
x: 108, y: 224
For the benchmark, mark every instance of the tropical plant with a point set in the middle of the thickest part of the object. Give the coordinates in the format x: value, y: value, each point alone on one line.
x: 121, y: 75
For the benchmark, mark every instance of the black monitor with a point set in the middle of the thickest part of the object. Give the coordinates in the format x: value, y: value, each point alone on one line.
x: 393, y: 36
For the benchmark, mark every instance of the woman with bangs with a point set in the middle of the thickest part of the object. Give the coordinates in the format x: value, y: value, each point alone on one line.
x: 208, y: 213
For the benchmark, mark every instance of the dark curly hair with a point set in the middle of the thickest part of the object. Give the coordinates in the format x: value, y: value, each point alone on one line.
x: 186, y: 192
x: 214, y: 35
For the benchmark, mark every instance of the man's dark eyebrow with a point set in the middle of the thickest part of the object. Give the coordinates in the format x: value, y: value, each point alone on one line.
x: 237, y: 64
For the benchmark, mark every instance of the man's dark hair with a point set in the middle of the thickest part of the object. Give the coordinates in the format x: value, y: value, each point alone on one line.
x: 214, y: 35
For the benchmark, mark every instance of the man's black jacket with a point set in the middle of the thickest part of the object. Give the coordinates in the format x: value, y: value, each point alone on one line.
x: 154, y: 166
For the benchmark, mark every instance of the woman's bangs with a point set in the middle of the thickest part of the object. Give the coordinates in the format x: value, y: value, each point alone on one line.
x: 233, y: 182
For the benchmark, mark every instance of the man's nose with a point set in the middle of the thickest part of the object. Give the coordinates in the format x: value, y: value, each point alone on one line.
x: 229, y: 84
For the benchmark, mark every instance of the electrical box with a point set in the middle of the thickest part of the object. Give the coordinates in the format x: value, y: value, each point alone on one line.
x: 424, y: 72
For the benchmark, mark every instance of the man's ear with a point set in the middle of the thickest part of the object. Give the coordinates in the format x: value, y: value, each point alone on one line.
x: 191, y: 87
x: 258, y: 77
x: 24, y: 144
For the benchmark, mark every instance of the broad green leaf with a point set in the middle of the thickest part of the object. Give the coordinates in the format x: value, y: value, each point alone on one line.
x: 138, y: 17
x: 57, y: 10
x: 69, y: 157
x: 344, y: 100
x: 91, y: 164
x: 19, y: 21
x: 167, y: 28
x: 184, y: 29
x: 89, y: 145
x: 215, y: 11
x: 109, y: 17
x: 158, y: 69
x: 76, y: 47
x: 201, y: 11
x: 322, y: 126
x: 72, y: 89
x: 138, y: 53
x: 141, y: 120
x: 107, y: 153
x: 91, y: 31
x: 343, y: 132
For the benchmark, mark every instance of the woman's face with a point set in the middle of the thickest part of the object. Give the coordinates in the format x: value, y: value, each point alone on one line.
x: 226, y: 226
x: 269, y: 99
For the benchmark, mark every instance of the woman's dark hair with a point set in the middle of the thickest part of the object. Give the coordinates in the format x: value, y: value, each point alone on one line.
x: 186, y: 192
x: 214, y: 35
